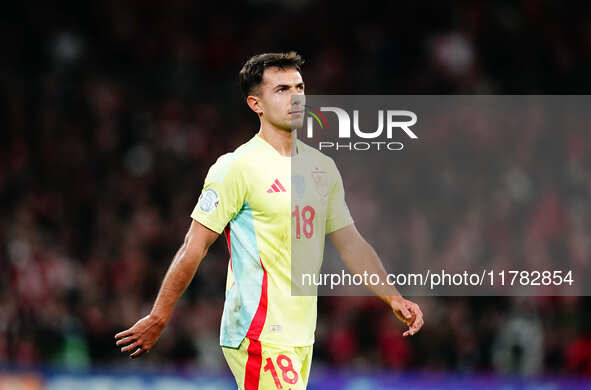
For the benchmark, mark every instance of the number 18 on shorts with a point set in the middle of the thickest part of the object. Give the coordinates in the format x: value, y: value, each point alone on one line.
x: 258, y: 365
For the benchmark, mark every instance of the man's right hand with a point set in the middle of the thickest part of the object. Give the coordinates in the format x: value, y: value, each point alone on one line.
x: 141, y: 337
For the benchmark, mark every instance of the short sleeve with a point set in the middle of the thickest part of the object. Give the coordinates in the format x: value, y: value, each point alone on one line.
x: 338, y: 215
x: 223, y: 195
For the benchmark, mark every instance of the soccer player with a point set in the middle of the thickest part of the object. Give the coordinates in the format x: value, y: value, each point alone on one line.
x: 266, y: 332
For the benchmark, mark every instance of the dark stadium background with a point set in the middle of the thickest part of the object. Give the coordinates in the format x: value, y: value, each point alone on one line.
x: 113, y: 111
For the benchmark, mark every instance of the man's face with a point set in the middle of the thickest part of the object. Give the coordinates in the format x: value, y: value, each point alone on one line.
x: 282, y: 97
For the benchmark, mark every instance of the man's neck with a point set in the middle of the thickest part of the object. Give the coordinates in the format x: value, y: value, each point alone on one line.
x: 284, y: 142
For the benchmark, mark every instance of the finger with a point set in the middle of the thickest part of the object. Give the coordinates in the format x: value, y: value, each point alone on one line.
x: 404, y: 311
x: 416, y: 326
x: 410, y: 332
x: 416, y: 310
x: 123, y: 334
x: 413, y: 331
x: 419, y: 310
x: 125, y: 340
x: 139, y: 352
x: 131, y: 347
x: 418, y: 317
x: 412, y: 307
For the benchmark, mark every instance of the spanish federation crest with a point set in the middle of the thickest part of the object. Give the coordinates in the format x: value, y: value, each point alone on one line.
x: 320, y: 181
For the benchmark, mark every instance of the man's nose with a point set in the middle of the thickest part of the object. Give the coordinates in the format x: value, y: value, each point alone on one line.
x: 298, y: 98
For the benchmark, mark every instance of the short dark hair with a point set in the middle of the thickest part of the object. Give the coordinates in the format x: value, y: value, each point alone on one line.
x: 251, y: 74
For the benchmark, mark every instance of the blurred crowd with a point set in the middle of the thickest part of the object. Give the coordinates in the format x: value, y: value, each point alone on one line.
x: 114, y: 111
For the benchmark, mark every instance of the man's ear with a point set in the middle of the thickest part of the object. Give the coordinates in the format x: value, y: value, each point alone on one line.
x: 254, y: 104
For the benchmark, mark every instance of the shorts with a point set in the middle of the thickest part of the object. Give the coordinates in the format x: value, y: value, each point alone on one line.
x: 258, y: 365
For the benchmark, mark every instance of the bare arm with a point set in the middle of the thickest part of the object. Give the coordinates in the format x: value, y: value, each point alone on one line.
x: 142, y: 336
x: 360, y: 257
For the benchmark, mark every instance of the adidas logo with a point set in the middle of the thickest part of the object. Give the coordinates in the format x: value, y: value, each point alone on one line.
x: 276, y: 187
